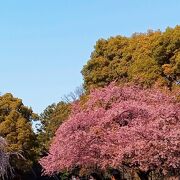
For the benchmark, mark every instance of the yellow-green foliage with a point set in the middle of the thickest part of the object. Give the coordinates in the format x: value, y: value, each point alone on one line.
x: 52, y: 117
x: 16, y: 128
x: 148, y: 59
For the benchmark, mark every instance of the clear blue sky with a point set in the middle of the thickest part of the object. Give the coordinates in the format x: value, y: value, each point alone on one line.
x: 44, y: 44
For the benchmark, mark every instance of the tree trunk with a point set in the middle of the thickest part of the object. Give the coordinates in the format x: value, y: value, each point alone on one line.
x: 143, y: 175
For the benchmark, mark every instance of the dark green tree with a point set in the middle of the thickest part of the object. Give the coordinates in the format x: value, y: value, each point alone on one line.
x: 52, y: 117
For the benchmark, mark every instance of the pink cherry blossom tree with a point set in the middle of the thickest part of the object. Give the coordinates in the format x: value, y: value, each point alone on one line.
x: 5, y: 168
x: 119, y: 126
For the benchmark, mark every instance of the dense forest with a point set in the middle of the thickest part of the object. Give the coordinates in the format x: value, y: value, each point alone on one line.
x: 126, y: 116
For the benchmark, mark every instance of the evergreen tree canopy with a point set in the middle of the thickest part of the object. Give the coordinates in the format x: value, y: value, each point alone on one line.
x: 147, y: 59
x: 52, y: 117
x: 16, y: 129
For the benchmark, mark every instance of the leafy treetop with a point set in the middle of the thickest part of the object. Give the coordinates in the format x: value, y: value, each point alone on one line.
x: 16, y: 129
x: 147, y: 59
x: 52, y: 117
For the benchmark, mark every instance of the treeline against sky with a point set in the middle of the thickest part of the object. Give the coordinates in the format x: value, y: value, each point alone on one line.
x: 149, y: 63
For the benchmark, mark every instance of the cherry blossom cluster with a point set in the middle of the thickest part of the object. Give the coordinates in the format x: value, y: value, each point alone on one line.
x: 4, y: 160
x: 118, y: 126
